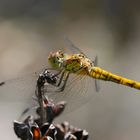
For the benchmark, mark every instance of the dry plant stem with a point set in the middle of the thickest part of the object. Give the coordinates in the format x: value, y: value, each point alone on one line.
x: 41, y: 101
x: 41, y: 128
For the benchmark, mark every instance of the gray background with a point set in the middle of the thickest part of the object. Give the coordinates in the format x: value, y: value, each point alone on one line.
x: 30, y: 29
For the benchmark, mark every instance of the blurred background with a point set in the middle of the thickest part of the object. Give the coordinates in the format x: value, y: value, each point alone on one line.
x: 30, y: 29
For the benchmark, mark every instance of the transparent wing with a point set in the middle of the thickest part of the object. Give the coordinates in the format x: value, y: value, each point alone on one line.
x: 74, y: 49
x: 21, y: 88
x: 78, y: 91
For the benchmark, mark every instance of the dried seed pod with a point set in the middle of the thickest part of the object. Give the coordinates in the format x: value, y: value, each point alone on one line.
x: 22, y: 130
x: 44, y: 128
x: 85, y: 135
x: 59, y: 108
x: 70, y: 136
x: 41, y: 128
x: 27, y: 130
x: 51, y: 132
x: 60, y: 132
x: 52, y: 110
x: 46, y: 138
x: 36, y: 132
x: 78, y: 133
x: 66, y: 126
x: 68, y: 132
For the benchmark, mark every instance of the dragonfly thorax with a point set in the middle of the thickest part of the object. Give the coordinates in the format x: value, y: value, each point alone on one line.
x: 77, y: 63
x: 73, y: 63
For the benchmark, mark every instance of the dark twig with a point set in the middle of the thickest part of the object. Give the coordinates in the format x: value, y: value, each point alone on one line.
x: 42, y: 128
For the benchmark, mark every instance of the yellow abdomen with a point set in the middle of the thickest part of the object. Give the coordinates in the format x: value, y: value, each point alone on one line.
x: 99, y: 73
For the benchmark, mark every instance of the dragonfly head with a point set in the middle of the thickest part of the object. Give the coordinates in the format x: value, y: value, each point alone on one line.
x: 56, y: 59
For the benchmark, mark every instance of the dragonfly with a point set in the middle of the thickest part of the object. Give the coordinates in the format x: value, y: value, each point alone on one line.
x: 23, y: 88
x: 80, y: 64
x: 76, y: 83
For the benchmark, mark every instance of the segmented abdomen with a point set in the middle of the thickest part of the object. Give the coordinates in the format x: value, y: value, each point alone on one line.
x: 99, y: 73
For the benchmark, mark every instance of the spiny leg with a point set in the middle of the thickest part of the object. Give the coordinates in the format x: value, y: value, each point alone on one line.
x: 55, y: 76
x: 61, y: 78
x: 65, y: 79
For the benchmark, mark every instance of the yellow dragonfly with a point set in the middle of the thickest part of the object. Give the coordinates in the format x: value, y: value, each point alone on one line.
x: 80, y: 64
x: 76, y: 74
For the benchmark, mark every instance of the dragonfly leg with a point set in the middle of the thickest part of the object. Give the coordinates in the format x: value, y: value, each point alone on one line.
x: 55, y: 76
x: 66, y: 74
x: 61, y: 78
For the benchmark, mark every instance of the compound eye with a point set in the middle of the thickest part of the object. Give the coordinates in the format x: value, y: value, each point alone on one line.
x: 61, y: 53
